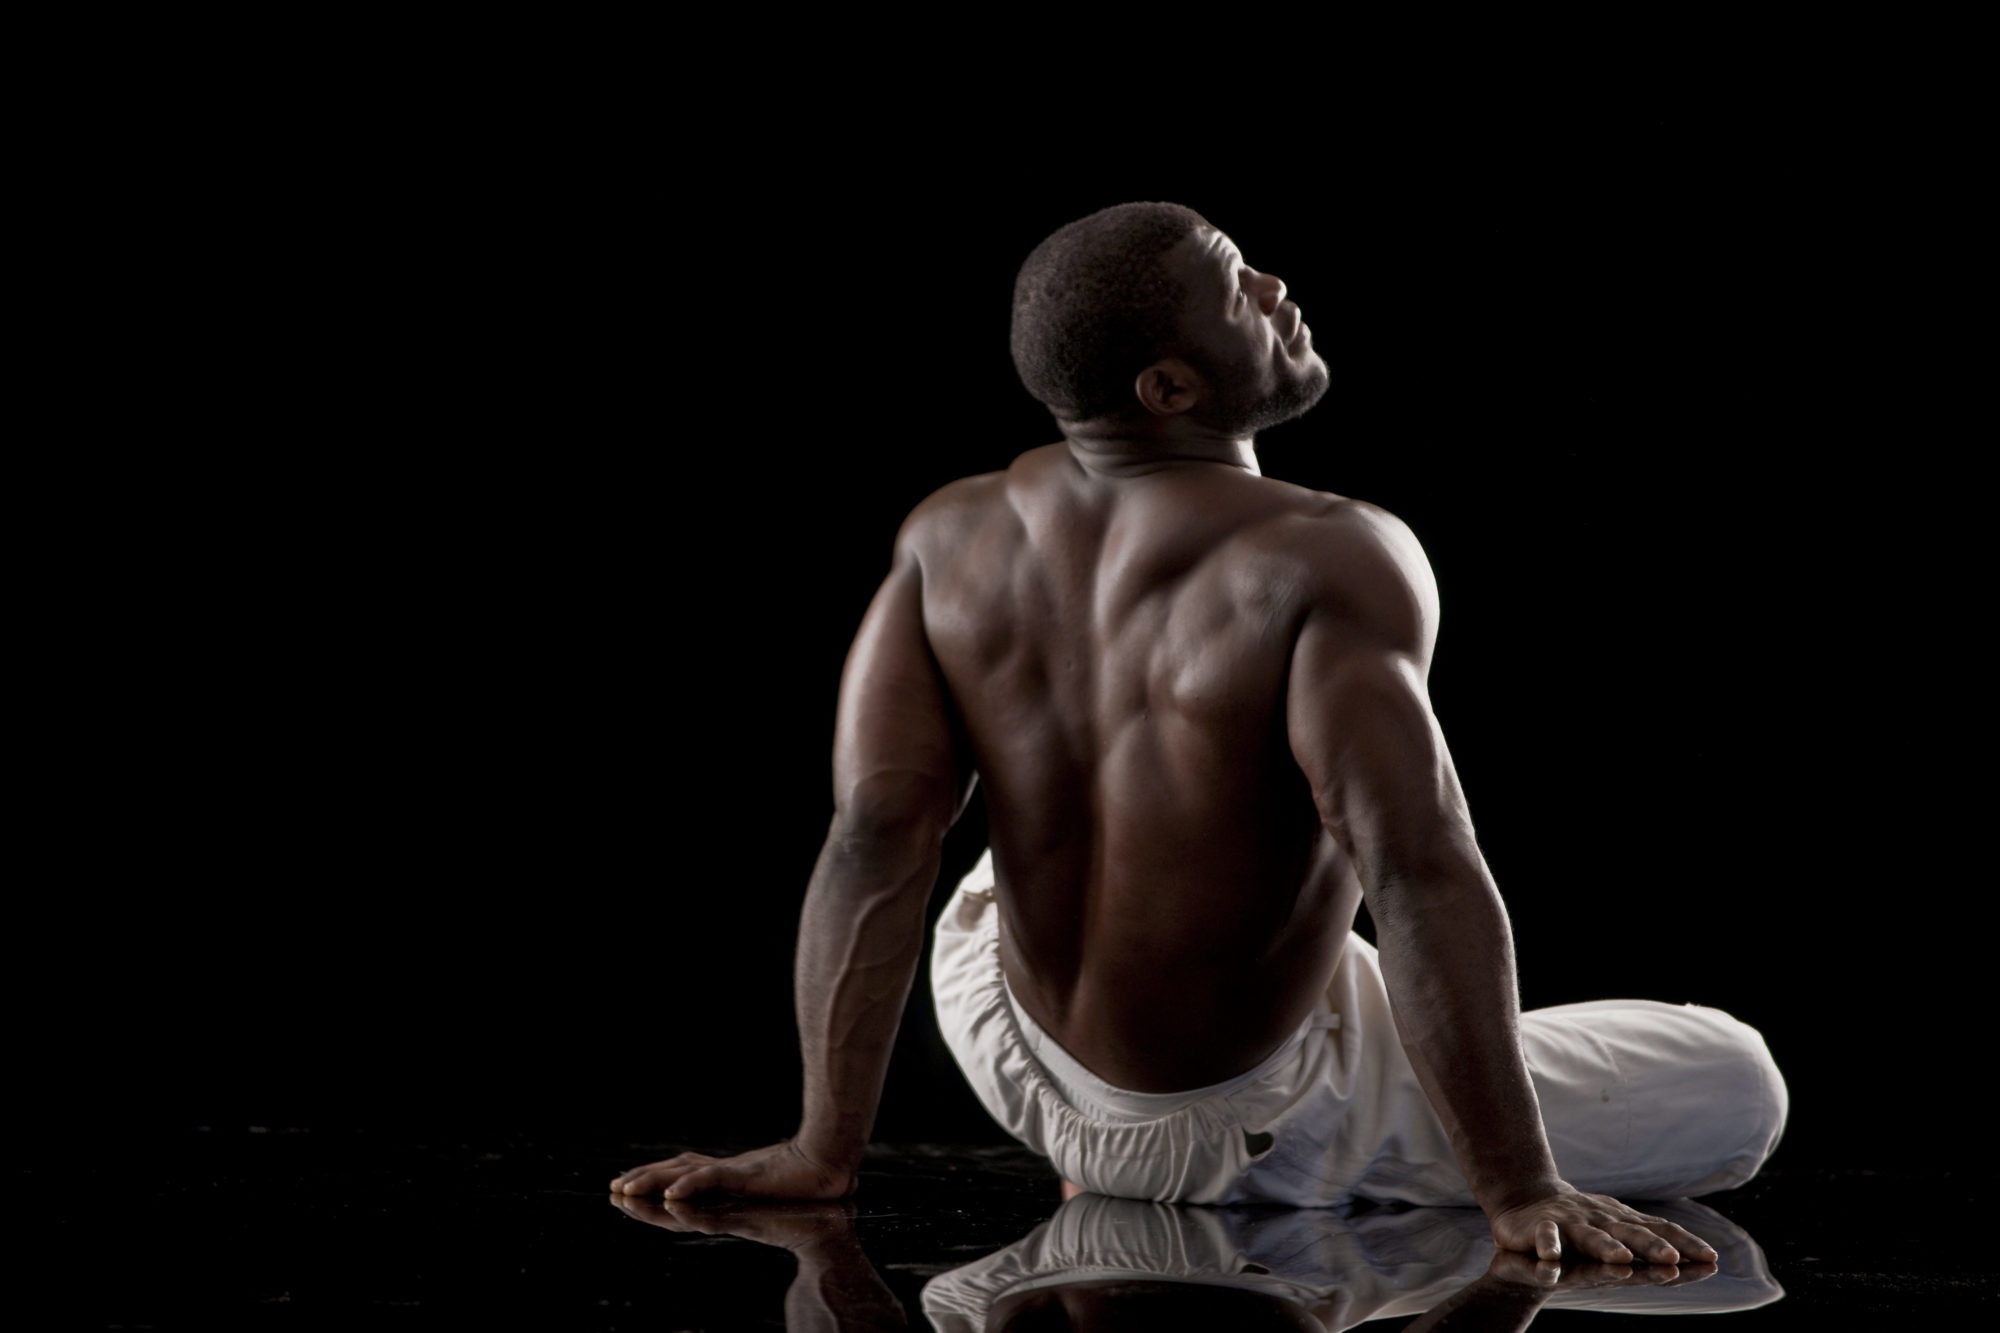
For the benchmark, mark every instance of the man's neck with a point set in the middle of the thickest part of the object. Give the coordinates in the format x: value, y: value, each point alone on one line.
x: 1121, y: 453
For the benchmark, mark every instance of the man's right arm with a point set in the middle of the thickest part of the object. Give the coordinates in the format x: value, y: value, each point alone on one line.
x: 899, y: 782
x: 1360, y: 724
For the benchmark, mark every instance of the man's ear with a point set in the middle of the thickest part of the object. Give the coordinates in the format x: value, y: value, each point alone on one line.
x: 1169, y: 387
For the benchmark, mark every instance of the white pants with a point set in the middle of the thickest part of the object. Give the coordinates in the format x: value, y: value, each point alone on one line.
x: 1640, y: 1099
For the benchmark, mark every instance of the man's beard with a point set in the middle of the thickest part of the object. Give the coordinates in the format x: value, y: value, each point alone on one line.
x: 1239, y: 411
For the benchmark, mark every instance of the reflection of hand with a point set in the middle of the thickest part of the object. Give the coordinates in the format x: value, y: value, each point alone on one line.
x: 789, y: 1226
x: 780, y: 1171
x: 1548, y: 1275
x: 1597, y: 1227
x: 1506, y: 1296
x: 836, y: 1286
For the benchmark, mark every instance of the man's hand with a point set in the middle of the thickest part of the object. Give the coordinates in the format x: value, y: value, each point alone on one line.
x: 780, y: 1171
x: 1596, y: 1227
x: 791, y: 1226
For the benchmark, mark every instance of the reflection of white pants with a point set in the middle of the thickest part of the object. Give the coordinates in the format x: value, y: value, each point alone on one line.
x: 1640, y: 1099
x: 1342, y: 1268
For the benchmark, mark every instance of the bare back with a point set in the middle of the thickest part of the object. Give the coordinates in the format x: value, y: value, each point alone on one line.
x: 1118, y: 648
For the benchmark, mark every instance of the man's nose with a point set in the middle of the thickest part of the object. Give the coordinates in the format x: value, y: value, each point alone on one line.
x: 1269, y: 290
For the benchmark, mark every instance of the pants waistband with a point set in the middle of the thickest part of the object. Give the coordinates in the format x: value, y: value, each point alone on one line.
x: 1092, y: 1095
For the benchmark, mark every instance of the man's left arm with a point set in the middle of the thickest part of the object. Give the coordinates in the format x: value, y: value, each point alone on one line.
x: 898, y: 785
x: 1359, y: 717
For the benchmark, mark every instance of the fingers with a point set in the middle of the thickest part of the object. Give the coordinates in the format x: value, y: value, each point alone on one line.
x: 1513, y: 1266
x: 1595, y: 1227
x: 654, y: 1213
x: 714, y: 1176
x: 1598, y: 1244
x: 641, y: 1180
x: 1643, y: 1242
x: 1692, y: 1247
x: 775, y: 1172
x: 657, y: 1177
x: 1658, y: 1241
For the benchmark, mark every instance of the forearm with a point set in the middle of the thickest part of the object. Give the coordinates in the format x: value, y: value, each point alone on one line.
x: 860, y: 935
x: 1487, y: 1304
x: 838, y: 1288
x: 1448, y: 958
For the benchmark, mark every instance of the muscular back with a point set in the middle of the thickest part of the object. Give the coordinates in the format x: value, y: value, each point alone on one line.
x: 1118, y: 647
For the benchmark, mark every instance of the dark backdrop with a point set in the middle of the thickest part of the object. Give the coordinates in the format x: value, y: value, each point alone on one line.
x: 448, y: 743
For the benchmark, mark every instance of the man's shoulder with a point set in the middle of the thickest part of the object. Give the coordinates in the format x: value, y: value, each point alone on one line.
x: 1337, y: 537
x: 952, y: 512
x: 959, y: 499
x: 1354, y: 561
x: 1368, y: 538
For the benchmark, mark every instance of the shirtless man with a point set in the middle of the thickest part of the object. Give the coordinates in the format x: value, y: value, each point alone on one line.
x: 1195, y: 699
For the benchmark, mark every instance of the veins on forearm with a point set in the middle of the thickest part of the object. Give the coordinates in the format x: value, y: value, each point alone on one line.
x: 1449, y: 963
x: 861, y: 933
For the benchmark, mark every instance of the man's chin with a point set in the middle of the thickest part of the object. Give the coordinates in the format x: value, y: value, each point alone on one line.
x: 1288, y: 403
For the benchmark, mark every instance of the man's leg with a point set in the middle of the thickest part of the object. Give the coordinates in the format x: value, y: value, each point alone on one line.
x: 1640, y: 1100
x: 1653, y: 1101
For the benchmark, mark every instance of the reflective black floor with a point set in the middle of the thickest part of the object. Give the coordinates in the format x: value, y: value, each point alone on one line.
x: 235, y: 1227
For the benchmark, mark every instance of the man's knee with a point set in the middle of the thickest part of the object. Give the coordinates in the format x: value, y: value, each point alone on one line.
x: 1751, y: 1081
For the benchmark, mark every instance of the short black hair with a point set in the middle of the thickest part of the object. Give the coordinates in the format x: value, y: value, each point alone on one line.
x: 1096, y: 303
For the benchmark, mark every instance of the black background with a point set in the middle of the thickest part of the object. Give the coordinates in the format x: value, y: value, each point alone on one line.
x: 443, y: 705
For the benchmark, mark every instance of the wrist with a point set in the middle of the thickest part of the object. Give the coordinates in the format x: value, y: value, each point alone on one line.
x: 1505, y: 1197
x: 833, y: 1153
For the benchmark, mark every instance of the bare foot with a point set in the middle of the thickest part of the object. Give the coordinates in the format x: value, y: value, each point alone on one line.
x: 1070, y: 1191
